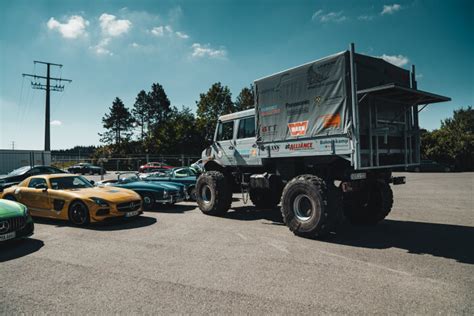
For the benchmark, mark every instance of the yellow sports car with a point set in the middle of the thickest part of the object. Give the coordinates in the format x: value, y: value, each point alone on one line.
x: 74, y: 198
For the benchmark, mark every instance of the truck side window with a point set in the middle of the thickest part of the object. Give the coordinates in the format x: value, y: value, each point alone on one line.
x: 246, y: 128
x: 226, y: 131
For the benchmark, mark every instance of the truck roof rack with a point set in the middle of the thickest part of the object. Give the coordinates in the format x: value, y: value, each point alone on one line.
x: 404, y: 94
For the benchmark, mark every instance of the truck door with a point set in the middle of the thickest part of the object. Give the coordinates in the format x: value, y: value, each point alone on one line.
x: 245, y: 143
x: 224, y: 144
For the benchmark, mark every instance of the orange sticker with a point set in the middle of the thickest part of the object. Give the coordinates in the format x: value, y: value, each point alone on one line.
x: 298, y: 128
x: 331, y: 120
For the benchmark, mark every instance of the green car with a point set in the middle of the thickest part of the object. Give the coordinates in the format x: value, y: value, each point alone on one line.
x: 15, y: 221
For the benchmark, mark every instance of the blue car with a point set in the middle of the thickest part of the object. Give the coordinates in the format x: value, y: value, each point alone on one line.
x: 152, y: 193
x: 184, y: 175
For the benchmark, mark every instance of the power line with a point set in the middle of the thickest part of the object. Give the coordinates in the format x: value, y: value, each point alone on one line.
x: 58, y: 86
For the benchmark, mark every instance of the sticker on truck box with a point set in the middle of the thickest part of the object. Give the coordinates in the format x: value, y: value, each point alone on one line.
x: 331, y: 120
x: 298, y: 128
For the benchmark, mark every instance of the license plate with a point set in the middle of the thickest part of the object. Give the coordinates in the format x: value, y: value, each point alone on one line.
x: 7, y: 236
x: 130, y: 214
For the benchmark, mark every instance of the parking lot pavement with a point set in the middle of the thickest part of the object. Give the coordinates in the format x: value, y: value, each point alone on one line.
x: 175, y: 259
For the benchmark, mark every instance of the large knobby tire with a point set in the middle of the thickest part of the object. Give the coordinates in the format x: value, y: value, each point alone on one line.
x: 369, y: 205
x: 264, y: 199
x: 310, y: 206
x: 213, y: 193
x: 79, y: 214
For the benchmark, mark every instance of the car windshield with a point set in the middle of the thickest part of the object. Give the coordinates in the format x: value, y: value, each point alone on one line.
x: 129, y: 177
x: 70, y: 183
x: 161, y: 173
x: 19, y: 171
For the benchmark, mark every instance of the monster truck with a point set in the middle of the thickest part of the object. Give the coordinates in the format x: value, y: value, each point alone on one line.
x: 322, y: 141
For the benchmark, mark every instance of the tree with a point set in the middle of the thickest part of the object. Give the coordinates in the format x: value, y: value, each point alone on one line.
x: 215, y: 102
x: 158, y: 106
x: 245, y: 100
x: 118, y: 124
x: 140, y: 112
x: 453, y: 143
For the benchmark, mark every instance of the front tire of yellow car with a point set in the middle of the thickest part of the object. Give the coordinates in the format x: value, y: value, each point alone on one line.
x: 79, y: 214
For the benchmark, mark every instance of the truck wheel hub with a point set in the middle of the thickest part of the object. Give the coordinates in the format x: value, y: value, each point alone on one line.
x: 303, y: 207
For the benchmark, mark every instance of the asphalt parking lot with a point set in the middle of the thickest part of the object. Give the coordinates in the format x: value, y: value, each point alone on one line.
x: 177, y: 260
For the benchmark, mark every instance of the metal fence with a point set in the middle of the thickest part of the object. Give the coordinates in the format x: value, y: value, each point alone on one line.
x: 126, y: 162
x: 12, y: 159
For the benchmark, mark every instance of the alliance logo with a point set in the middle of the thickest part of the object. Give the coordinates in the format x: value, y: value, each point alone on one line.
x: 298, y: 128
x: 299, y: 146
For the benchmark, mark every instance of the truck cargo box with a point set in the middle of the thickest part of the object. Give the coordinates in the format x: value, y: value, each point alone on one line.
x: 308, y: 110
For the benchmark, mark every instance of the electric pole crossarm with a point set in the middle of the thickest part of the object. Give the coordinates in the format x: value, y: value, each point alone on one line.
x: 43, y: 77
x: 46, y: 63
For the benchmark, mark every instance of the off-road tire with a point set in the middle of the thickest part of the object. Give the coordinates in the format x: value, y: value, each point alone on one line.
x: 264, y: 199
x: 72, y: 218
x: 325, y: 203
x: 370, y: 205
x: 213, y: 193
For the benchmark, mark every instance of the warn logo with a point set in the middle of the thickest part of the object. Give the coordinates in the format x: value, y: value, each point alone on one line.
x: 298, y: 128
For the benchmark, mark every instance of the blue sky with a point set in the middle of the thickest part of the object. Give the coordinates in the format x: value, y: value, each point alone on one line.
x: 117, y: 48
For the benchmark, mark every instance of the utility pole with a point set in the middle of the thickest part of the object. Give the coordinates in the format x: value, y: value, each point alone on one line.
x: 13, y: 145
x: 48, y: 87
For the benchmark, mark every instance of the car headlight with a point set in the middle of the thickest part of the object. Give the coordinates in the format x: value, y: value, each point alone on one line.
x: 165, y: 194
x: 26, y: 212
x: 99, y: 201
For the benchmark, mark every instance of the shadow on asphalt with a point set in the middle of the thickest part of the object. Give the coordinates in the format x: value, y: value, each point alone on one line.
x: 19, y: 248
x: 250, y: 213
x: 114, y: 224
x: 175, y: 208
x: 439, y: 240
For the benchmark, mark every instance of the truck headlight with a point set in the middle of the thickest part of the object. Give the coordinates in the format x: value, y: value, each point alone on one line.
x: 99, y: 201
x: 165, y: 194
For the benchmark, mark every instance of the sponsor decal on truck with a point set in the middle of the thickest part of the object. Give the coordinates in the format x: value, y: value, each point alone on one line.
x: 298, y: 128
x: 299, y: 146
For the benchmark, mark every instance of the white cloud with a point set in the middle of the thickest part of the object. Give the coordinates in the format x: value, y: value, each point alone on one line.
x: 397, y: 60
x: 200, y: 50
x: 102, y: 47
x: 135, y: 45
x: 158, y: 31
x: 74, y: 27
x: 169, y: 29
x: 113, y: 27
x: 328, y: 17
x: 390, y: 9
x: 182, y: 35
x: 365, y: 17
x: 56, y: 123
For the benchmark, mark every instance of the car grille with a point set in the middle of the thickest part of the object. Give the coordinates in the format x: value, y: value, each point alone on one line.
x: 129, y: 206
x: 12, y: 224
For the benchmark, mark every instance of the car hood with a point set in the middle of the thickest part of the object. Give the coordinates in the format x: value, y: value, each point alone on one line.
x: 108, y: 193
x: 171, y: 185
x: 147, y: 186
x: 10, y: 209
